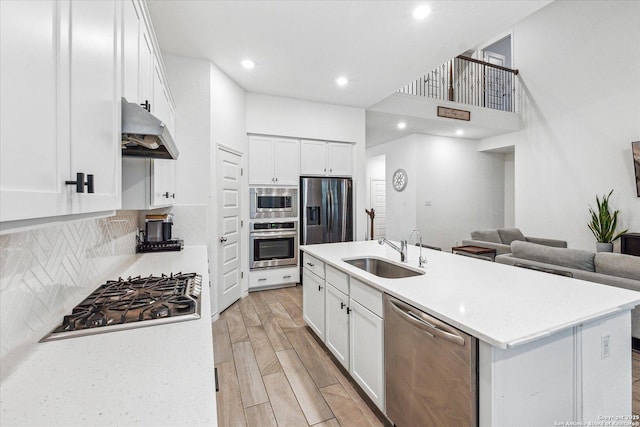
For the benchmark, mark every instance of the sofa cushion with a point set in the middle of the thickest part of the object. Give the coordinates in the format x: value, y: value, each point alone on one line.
x: 490, y: 235
x: 571, y: 258
x: 620, y: 265
x: 508, y: 235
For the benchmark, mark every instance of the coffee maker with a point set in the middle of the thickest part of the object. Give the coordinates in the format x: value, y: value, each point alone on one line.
x: 158, y: 234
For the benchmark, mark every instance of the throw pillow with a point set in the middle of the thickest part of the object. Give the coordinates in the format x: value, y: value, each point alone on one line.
x: 490, y: 235
x: 620, y: 265
x: 508, y: 235
x: 571, y: 258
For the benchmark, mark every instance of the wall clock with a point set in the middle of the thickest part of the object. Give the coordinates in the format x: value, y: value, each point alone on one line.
x: 399, y: 180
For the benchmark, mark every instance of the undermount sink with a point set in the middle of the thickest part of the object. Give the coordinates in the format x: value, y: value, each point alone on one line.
x: 382, y: 268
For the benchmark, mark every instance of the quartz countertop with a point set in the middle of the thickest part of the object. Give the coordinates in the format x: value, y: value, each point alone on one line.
x: 502, y: 305
x: 161, y: 375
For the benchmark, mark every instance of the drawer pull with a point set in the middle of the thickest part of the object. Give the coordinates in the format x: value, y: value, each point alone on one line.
x: 310, y: 264
x: 262, y: 280
x: 288, y: 276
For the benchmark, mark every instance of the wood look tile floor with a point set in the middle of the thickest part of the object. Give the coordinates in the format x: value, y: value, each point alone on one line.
x: 272, y: 371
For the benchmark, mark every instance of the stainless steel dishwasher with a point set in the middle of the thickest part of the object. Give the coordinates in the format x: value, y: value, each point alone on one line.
x: 430, y: 369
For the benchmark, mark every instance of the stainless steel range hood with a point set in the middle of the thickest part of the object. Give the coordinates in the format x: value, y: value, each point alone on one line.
x: 144, y: 135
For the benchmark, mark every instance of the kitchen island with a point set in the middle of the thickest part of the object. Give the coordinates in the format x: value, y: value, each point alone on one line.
x: 160, y: 375
x: 551, y: 349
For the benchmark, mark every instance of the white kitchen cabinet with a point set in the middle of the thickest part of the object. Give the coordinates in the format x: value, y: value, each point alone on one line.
x: 337, y: 324
x: 60, y: 111
x: 147, y: 183
x: 273, y: 161
x: 367, y: 351
x: 326, y: 158
x: 313, y: 301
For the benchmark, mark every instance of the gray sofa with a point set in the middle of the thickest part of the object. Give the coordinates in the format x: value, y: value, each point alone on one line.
x: 500, y: 239
x: 622, y: 271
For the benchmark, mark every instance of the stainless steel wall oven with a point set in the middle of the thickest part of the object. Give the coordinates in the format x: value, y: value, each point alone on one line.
x: 266, y: 202
x: 273, y: 244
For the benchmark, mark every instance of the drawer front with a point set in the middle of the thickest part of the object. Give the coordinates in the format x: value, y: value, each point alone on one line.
x: 314, y: 265
x: 272, y: 277
x: 338, y: 279
x: 367, y: 296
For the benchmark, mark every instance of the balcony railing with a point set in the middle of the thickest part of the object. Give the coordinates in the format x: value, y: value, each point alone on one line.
x: 468, y: 81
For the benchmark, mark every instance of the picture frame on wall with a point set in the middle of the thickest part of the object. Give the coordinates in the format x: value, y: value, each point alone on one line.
x: 635, y: 149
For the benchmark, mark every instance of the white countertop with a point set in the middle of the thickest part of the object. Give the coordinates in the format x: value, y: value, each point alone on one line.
x: 159, y: 375
x: 500, y: 304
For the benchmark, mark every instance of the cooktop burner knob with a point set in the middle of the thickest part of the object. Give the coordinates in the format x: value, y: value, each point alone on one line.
x: 161, y: 311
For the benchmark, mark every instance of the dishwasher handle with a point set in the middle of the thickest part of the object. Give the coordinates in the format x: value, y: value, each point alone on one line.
x: 427, y: 323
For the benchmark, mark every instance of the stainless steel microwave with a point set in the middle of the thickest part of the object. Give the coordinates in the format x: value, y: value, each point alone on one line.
x: 266, y: 202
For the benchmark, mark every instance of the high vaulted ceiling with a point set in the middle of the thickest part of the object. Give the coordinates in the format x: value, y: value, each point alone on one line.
x: 301, y: 47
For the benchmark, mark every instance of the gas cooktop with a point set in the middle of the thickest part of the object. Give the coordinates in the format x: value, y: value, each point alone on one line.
x: 133, y: 303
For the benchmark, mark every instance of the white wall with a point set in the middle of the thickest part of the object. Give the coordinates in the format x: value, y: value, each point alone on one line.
x: 465, y: 188
x: 272, y: 115
x: 210, y: 110
x: 190, y: 86
x: 509, y: 190
x: 581, y: 107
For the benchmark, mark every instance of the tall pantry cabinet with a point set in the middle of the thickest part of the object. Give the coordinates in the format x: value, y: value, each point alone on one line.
x: 60, y: 108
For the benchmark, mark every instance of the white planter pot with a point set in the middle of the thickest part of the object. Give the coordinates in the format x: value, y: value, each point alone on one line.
x: 604, y: 247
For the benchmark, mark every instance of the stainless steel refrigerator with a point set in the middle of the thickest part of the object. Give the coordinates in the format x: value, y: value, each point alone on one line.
x: 326, y: 210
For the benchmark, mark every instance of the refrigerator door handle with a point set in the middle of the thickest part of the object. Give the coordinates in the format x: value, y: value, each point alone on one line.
x: 330, y: 210
x: 344, y: 212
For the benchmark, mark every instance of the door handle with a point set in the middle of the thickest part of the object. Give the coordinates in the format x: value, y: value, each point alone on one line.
x: 342, y: 305
x: 428, y: 324
x: 223, y: 239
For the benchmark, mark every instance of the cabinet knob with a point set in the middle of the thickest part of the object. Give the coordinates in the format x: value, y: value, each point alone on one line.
x: 79, y: 182
x: 89, y: 183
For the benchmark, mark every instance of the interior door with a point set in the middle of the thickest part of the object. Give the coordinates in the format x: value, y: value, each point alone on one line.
x: 229, y: 289
x: 497, y: 94
x: 379, y: 204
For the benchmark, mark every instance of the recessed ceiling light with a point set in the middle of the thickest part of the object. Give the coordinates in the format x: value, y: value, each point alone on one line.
x: 342, y: 81
x: 248, y: 64
x: 459, y: 132
x: 402, y: 125
x: 421, y: 12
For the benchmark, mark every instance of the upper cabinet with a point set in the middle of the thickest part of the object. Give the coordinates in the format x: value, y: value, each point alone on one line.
x: 326, y: 158
x: 146, y: 183
x: 60, y: 108
x: 273, y: 161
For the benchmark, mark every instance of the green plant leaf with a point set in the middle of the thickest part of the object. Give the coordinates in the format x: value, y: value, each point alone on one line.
x: 603, y: 224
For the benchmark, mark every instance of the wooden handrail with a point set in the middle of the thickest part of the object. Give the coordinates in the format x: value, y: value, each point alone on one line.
x: 488, y: 64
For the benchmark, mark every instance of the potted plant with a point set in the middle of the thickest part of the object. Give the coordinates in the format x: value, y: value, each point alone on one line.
x: 603, y: 224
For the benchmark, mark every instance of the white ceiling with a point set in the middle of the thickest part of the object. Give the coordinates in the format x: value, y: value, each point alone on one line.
x: 301, y: 47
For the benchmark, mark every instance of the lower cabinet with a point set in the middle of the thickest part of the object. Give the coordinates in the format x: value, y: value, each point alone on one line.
x: 367, y: 351
x: 313, y: 302
x: 337, y: 324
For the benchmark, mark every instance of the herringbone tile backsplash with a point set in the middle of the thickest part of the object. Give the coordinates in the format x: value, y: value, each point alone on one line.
x: 45, y: 272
